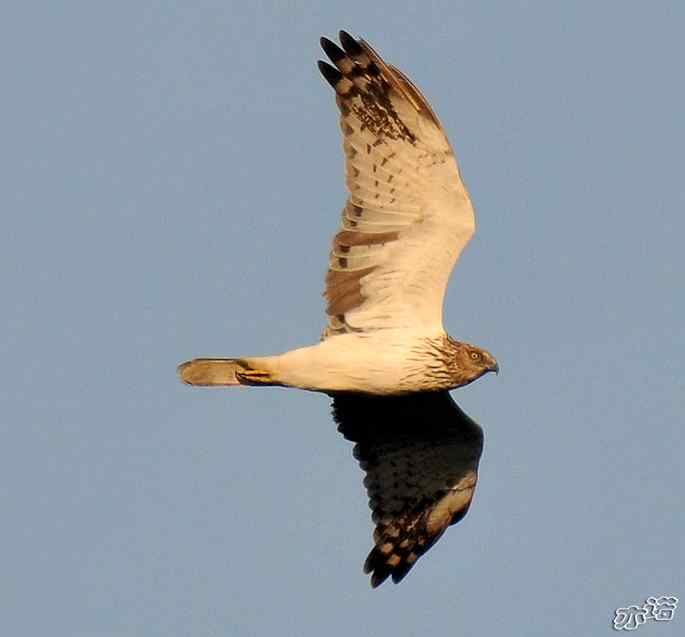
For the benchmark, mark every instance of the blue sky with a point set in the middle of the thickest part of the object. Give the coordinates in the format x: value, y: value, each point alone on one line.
x: 172, y: 178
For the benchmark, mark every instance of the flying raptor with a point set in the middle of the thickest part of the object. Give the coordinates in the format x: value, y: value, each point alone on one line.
x: 384, y: 356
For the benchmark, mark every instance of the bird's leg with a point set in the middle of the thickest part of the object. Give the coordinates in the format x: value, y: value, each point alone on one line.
x: 250, y: 376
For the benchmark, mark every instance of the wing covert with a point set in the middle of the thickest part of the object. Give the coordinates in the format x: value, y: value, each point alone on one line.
x: 408, y: 215
x: 420, y: 453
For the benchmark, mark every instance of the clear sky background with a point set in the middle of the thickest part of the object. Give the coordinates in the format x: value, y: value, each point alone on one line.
x: 172, y: 176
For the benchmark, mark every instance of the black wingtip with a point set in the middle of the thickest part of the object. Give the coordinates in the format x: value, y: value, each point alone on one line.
x: 350, y: 45
x: 377, y: 580
x: 401, y: 572
x: 376, y: 567
x: 332, y: 50
x: 332, y: 75
x: 379, y: 576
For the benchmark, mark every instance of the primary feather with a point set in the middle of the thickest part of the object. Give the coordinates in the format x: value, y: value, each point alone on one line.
x: 385, y: 356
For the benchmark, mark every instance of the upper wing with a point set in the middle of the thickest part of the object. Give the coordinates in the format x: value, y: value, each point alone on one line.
x: 420, y: 453
x: 408, y: 216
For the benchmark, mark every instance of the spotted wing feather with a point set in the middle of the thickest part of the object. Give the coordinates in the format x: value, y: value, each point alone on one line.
x: 408, y: 215
x: 420, y: 453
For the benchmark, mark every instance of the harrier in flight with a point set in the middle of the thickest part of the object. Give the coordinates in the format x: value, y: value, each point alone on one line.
x: 384, y: 356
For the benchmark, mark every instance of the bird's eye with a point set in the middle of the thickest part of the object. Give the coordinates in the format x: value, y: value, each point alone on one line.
x: 475, y: 356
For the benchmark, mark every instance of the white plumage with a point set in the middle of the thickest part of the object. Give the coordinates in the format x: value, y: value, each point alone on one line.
x: 406, y: 221
x: 384, y: 356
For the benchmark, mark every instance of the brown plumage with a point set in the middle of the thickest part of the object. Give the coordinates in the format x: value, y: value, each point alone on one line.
x: 385, y: 356
x: 420, y: 453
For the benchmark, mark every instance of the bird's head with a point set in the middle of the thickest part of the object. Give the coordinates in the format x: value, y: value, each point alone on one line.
x: 473, y: 362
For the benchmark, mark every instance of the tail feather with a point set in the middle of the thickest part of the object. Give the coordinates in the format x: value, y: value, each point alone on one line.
x: 208, y: 372
x: 225, y: 372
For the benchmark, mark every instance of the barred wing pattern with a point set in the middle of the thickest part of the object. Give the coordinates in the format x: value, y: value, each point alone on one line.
x: 408, y: 216
x: 420, y: 453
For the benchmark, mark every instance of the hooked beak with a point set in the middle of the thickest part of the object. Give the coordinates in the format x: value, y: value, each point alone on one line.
x: 494, y: 366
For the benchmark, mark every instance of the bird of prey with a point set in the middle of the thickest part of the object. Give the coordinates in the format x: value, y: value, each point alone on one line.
x: 384, y: 356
